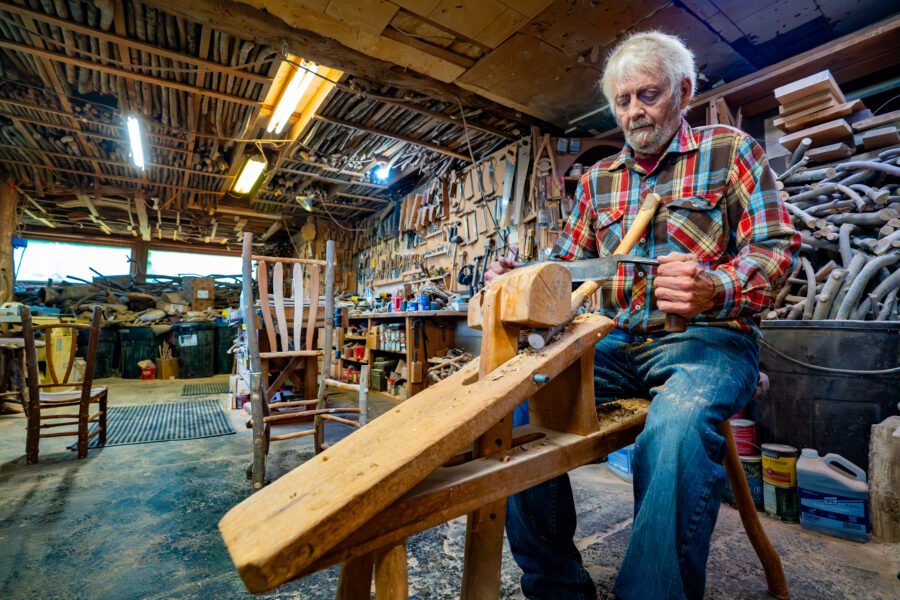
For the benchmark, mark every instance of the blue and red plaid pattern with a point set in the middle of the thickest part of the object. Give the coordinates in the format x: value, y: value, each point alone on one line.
x: 719, y: 202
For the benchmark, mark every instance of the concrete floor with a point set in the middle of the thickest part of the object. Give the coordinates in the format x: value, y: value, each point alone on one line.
x: 140, y: 522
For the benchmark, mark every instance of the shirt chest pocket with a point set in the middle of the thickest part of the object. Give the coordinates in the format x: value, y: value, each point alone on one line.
x: 608, y: 228
x: 695, y: 225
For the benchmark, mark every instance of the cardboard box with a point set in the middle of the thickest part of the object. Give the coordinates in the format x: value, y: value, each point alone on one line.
x: 167, y: 368
x: 200, y: 291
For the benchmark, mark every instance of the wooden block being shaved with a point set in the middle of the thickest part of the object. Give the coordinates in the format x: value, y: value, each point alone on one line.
x: 826, y: 133
x: 879, y: 138
x: 822, y: 100
x: 829, y: 153
x: 792, y: 124
x: 875, y: 121
x: 807, y: 86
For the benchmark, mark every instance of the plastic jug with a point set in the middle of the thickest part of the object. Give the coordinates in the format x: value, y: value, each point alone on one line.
x: 833, y: 495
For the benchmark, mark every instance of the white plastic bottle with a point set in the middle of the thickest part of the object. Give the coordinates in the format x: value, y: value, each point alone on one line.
x: 833, y: 495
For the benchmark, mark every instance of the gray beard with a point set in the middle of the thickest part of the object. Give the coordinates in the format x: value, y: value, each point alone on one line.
x: 655, y: 141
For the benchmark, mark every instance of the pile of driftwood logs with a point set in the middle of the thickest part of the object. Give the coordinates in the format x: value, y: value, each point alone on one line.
x: 848, y: 215
x: 125, y: 301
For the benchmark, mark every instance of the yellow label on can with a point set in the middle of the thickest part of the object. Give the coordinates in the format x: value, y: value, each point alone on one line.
x: 780, y: 471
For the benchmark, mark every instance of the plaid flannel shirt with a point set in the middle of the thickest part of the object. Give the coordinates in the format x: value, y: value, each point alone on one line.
x: 719, y: 202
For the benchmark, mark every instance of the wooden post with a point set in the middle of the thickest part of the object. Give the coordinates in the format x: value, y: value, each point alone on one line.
x: 257, y: 391
x: 484, y: 526
x: 9, y: 197
x: 391, y: 580
x: 355, y: 581
x: 884, y: 479
x: 328, y: 320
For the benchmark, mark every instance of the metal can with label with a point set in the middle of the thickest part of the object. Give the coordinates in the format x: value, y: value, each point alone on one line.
x: 779, y: 471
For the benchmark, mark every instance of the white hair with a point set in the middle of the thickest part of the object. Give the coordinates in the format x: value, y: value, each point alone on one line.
x: 649, y: 52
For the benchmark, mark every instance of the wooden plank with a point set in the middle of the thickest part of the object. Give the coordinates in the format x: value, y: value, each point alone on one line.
x: 817, y: 82
x: 877, y: 120
x: 291, y: 523
x: 297, y: 293
x: 819, y: 101
x: 262, y: 277
x: 879, y: 138
x: 313, y: 307
x: 826, y: 133
x: 830, y: 152
x: 278, y: 272
x: 480, y: 481
x: 792, y: 124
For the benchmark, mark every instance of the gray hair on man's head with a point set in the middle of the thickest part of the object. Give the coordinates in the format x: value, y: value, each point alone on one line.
x: 649, y: 52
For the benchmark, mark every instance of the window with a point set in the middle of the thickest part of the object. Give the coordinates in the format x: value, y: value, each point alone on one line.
x: 41, y: 261
x: 162, y: 262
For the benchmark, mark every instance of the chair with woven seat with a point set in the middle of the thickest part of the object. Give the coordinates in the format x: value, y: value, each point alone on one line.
x: 277, y: 357
x: 43, y: 400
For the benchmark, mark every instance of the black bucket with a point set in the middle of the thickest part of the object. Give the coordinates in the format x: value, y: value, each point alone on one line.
x: 827, y: 384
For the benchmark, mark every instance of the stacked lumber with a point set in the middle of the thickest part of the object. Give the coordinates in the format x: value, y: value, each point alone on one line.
x: 817, y: 118
x: 848, y: 216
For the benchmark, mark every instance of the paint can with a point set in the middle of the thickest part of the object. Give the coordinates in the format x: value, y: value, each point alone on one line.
x: 753, y: 471
x: 779, y: 466
x: 752, y: 466
x: 744, y: 431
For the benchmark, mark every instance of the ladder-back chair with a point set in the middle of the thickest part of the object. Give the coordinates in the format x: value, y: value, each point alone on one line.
x: 282, y: 353
x: 42, y: 403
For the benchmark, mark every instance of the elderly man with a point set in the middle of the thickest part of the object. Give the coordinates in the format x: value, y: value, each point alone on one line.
x: 724, y: 242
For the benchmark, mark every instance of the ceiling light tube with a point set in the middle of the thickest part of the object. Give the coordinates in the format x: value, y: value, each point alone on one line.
x: 134, y: 135
x: 250, y: 174
x: 291, y: 96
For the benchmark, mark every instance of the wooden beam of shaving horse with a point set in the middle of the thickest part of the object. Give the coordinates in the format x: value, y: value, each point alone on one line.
x: 357, y: 502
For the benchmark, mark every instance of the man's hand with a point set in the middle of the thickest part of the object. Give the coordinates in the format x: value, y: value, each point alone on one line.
x: 682, y: 287
x: 498, y: 268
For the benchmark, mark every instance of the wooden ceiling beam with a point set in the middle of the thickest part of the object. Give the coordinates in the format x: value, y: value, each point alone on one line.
x: 262, y: 27
x: 94, y: 134
x: 120, y: 72
x: 325, y: 179
x: 142, y: 182
x: 394, y: 136
x: 115, y: 163
x: 203, y: 64
x: 361, y: 197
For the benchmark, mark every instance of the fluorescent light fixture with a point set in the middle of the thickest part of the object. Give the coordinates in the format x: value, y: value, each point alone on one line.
x: 305, y: 202
x: 383, y: 172
x: 291, y: 96
x: 250, y: 174
x: 134, y: 135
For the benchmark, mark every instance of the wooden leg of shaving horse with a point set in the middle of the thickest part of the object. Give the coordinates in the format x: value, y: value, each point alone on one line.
x: 391, y: 573
x: 484, y: 526
x: 769, y: 558
x: 356, y: 578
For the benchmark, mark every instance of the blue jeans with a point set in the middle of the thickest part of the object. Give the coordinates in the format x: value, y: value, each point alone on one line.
x: 696, y: 380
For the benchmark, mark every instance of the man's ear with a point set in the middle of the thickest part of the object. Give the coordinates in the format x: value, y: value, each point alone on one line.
x: 687, y: 92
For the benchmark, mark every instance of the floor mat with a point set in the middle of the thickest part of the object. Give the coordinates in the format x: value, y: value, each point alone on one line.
x: 145, y: 423
x: 204, y: 389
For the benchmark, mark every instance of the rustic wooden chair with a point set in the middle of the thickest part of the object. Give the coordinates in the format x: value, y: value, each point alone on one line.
x: 42, y: 404
x: 277, y: 357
